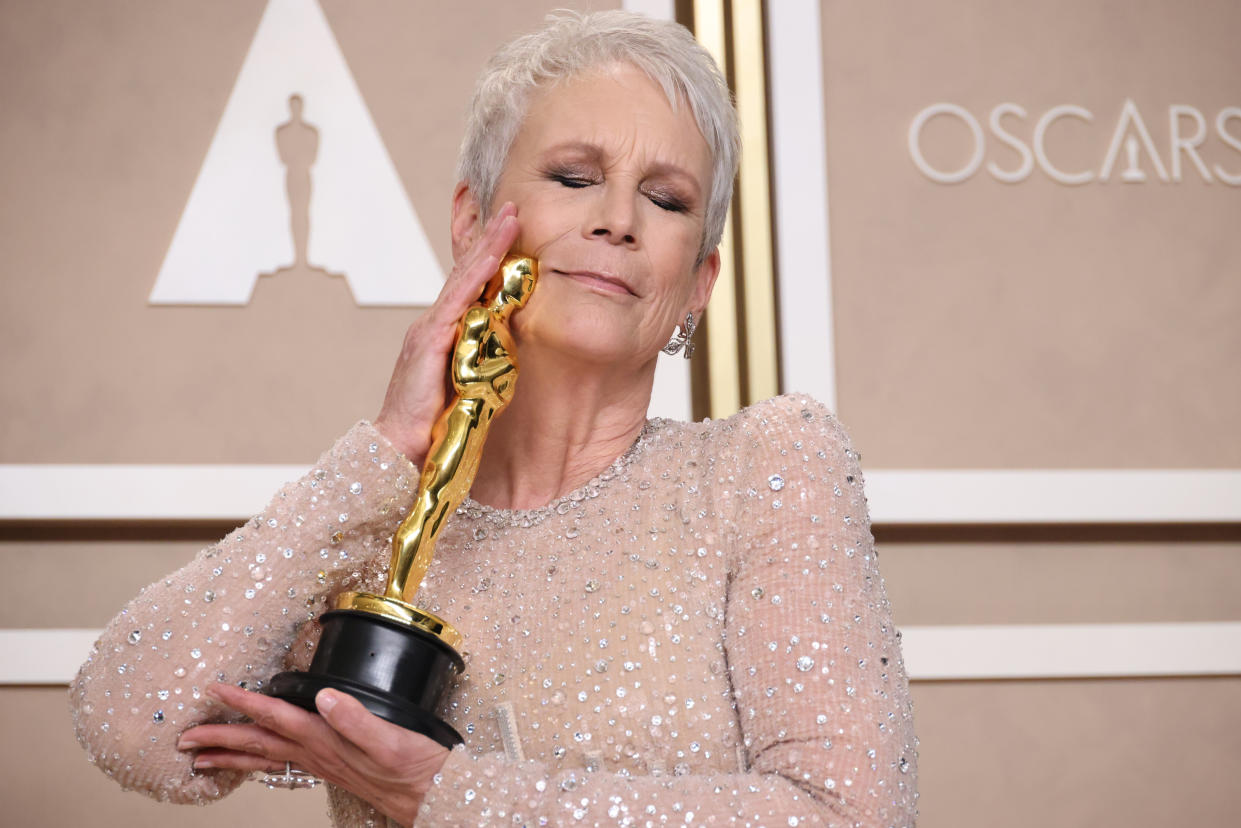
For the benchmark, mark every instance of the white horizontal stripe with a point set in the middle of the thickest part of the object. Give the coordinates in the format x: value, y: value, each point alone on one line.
x: 45, y: 656
x: 115, y: 492
x: 1073, y: 651
x: 1037, y: 496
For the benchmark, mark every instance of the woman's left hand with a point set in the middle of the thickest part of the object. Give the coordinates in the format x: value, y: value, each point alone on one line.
x: 388, y: 766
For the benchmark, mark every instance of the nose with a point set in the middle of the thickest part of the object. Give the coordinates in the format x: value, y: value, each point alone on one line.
x: 613, y: 217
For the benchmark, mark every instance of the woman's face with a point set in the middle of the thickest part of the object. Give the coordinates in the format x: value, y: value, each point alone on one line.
x: 610, y: 186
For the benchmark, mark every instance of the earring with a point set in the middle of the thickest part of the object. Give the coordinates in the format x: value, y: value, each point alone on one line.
x: 684, y: 338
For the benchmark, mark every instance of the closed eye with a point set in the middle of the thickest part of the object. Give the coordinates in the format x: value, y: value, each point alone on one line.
x: 667, y: 202
x: 570, y: 181
x: 576, y: 179
x: 570, y: 178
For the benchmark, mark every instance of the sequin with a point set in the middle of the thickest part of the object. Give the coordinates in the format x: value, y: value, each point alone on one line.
x: 633, y: 646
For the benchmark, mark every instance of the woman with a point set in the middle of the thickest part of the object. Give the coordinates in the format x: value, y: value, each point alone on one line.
x: 663, y: 621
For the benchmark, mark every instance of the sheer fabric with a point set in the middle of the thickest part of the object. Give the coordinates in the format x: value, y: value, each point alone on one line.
x: 700, y: 634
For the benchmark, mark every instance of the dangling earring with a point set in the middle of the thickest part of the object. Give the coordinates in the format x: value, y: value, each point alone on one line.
x: 683, y: 339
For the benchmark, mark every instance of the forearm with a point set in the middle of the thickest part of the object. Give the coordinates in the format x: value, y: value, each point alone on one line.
x: 231, y: 615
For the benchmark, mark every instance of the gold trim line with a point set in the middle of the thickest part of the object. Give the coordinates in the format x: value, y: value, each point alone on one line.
x: 402, y: 613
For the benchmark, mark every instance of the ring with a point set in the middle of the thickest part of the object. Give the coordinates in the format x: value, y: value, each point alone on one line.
x: 290, y: 779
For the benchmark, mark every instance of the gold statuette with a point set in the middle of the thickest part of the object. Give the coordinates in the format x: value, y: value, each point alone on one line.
x: 484, y: 374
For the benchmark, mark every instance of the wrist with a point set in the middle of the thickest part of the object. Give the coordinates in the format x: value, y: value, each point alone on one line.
x: 425, y: 779
x: 414, y: 450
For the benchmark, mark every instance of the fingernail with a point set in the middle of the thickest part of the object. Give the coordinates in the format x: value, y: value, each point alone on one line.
x: 185, y: 743
x: 325, y: 701
x: 213, y: 692
x: 203, y: 762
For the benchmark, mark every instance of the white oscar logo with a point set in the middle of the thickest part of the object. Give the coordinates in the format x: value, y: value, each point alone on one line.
x: 297, y: 174
x: 1130, y: 132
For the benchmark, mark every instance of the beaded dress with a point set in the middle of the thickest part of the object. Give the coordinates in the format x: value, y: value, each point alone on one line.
x: 698, y: 635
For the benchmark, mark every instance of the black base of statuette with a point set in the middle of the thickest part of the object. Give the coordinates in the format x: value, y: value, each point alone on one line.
x: 398, y: 672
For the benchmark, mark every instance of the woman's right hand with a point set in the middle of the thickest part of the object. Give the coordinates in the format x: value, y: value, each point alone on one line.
x: 417, y: 392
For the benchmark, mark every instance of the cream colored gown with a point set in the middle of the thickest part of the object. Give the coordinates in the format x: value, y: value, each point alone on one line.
x: 698, y: 636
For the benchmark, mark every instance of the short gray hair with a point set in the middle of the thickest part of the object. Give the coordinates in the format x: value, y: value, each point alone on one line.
x: 570, y: 43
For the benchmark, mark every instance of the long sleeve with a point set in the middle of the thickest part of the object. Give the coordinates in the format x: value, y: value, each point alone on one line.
x: 819, y: 682
x: 813, y: 662
x: 232, y: 615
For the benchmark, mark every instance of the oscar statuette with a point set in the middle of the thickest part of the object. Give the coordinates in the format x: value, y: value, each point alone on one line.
x: 393, y: 657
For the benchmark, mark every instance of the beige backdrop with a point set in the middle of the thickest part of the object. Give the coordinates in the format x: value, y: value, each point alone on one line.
x: 977, y: 325
x: 1033, y: 325
x: 1037, y: 325
x: 109, y: 110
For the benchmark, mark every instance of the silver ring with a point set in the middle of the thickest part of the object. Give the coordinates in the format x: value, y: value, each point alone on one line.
x: 290, y: 779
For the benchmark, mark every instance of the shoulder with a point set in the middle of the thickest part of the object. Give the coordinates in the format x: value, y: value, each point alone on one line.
x: 776, y: 426
x: 763, y: 439
x: 788, y: 453
x: 786, y: 409
x: 770, y: 427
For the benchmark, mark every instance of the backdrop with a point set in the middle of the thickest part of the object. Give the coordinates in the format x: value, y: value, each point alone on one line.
x: 1002, y: 244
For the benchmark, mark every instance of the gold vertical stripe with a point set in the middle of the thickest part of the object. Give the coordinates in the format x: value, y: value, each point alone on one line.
x: 724, y: 377
x: 754, y: 202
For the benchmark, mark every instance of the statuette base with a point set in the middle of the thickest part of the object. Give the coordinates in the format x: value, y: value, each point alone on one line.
x: 399, y: 672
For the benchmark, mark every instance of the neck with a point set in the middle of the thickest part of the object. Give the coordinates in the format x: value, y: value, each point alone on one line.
x: 566, y: 424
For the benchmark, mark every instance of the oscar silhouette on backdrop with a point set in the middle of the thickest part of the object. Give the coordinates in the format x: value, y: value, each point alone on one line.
x: 298, y: 145
x: 296, y: 285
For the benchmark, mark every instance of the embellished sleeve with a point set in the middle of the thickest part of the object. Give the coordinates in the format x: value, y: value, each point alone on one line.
x: 818, y: 684
x: 231, y: 615
x: 818, y: 679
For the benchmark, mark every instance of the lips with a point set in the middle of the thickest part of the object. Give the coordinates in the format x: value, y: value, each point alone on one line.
x: 605, y: 282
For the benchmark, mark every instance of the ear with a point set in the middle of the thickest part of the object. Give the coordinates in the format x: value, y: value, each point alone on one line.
x: 467, y: 220
x: 704, y: 281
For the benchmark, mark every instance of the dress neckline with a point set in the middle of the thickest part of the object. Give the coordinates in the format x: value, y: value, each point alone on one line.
x: 472, y: 509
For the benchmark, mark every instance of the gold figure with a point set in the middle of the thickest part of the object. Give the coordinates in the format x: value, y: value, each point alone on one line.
x: 484, y: 375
